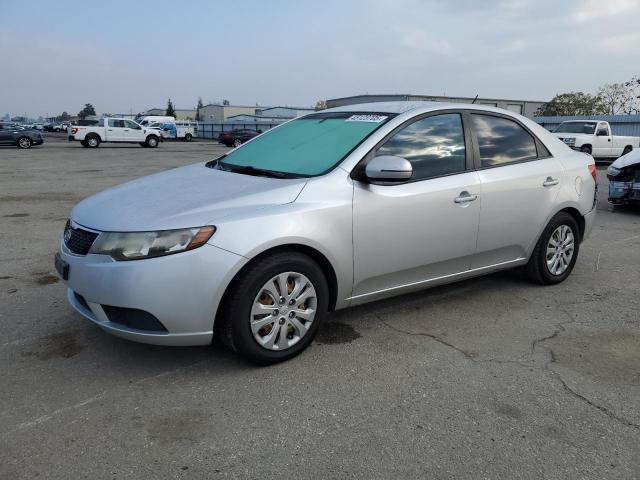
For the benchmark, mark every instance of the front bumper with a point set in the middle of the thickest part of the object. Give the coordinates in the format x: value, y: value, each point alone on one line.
x: 181, y: 291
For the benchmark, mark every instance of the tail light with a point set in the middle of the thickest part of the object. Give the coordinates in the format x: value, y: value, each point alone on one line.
x: 74, y: 131
x: 592, y: 171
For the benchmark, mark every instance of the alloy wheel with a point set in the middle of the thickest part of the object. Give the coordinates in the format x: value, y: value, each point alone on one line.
x: 560, y: 249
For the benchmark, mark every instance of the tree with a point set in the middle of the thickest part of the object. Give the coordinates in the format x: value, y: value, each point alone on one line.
x: 620, y: 98
x: 171, y: 112
x: 200, y: 105
x: 321, y: 105
x: 225, y: 102
x: 86, y: 111
x: 572, y: 103
x: 64, y: 116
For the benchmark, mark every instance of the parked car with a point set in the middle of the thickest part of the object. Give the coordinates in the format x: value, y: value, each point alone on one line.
x: 330, y: 210
x: 594, y: 137
x: 235, y: 138
x: 116, y: 130
x: 12, y: 134
x: 624, y: 179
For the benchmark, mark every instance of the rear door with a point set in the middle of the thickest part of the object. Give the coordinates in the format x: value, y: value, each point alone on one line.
x: 424, y: 229
x: 115, y: 130
x: 520, y: 181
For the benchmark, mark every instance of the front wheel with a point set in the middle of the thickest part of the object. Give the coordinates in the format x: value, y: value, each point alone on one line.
x: 152, y: 141
x: 272, y: 311
x: 556, y: 252
x: 24, y: 142
x: 237, y: 142
x: 188, y: 137
x: 586, y: 149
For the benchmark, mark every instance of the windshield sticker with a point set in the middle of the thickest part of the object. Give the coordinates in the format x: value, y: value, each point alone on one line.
x: 367, y: 118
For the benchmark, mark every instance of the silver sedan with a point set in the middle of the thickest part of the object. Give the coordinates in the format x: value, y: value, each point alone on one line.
x: 334, y: 209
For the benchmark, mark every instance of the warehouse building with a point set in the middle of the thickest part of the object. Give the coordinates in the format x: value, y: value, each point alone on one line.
x: 625, y: 125
x: 181, y: 113
x: 527, y: 108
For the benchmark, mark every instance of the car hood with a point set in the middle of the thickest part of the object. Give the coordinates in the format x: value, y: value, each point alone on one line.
x: 630, y: 158
x: 184, y: 197
x: 572, y: 135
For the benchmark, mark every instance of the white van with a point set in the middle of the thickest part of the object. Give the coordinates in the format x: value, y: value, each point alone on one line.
x: 144, y: 121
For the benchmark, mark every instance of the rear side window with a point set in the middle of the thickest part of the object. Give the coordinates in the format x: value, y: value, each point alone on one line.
x: 433, y: 145
x: 116, y: 123
x: 501, y: 141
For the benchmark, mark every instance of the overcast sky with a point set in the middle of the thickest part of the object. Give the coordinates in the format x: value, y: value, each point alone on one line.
x: 127, y: 56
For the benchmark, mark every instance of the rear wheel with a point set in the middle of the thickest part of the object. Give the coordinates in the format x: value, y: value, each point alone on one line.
x: 84, y: 144
x: 627, y: 149
x: 152, y: 141
x: 556, y: 252
x: 272, y: 311
x: 143, y: 144
x: 92, y: 141
x: 188, y: 137
x: 24, y: 142
x: 237, y: 142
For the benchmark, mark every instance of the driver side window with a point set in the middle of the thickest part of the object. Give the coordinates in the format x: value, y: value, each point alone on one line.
x: 130, y: 124
x: 434, y: 145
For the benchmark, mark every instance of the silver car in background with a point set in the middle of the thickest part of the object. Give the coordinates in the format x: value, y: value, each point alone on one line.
x: 334, y: 209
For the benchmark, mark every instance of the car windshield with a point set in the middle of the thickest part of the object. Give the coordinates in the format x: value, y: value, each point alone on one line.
x: 576, y: 127
x: 307, y: 146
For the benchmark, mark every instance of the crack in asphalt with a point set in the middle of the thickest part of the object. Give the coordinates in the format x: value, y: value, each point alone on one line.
x: 560, y: 327
x: 468, y: 355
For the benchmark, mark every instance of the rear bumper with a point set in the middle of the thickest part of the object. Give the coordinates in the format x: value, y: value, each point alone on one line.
x: 589, y: 221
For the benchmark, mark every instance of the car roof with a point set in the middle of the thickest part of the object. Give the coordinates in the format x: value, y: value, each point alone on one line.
x: 417, y: 106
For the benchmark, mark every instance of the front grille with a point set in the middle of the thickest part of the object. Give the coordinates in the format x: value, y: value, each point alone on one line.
x: 78, y: 240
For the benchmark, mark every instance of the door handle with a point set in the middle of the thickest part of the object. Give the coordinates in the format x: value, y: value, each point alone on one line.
x: 550, y: 182
x: 465, y: 197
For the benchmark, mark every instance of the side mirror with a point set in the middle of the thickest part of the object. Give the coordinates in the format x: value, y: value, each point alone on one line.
x: 602, y: 133
x: 389, y: 168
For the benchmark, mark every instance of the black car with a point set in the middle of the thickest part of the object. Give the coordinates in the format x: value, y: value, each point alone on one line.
x: 11, y: 134
x: 235, y: 138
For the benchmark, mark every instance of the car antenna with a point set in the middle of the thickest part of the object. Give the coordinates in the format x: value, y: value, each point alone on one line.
x: 474, y: 100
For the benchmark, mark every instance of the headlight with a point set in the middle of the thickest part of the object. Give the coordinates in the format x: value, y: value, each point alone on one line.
x: 137, y: 245
x: 613, y: 171
x: 570, y: 141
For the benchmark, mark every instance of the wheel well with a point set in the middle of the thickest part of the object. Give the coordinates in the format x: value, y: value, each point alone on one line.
x: 578, y: 218
x: 319, y: 258
x: 92, y: 134
x: 586, y: 145
x: 630, y: 147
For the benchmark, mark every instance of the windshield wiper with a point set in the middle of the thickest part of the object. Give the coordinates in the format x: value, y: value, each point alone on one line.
x: 258, y: 172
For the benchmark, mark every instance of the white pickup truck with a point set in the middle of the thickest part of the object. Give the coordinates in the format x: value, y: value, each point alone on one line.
x: 594, y: 137
x: 119, y: 130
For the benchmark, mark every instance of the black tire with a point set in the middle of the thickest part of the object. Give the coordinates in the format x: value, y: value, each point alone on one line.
x: 537, y: 269
x: 232, y: 324
x: 143, y: 144
x: 92, y: 140
x: 586, y: 149
x: 237, y: 142
x: 152, y: 141
x: 84, y: 144
x: 24, y: 143
x: 57, y: 130
x: 188, y: 137
x: 626, y: 150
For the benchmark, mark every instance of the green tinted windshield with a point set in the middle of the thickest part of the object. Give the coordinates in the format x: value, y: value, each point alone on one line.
x: 308, y: 146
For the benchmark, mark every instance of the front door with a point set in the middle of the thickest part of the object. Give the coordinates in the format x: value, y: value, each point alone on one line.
x: 602, y: 145
x: 133, y: 132
x: 407, y: 234
x: 519, y: 184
